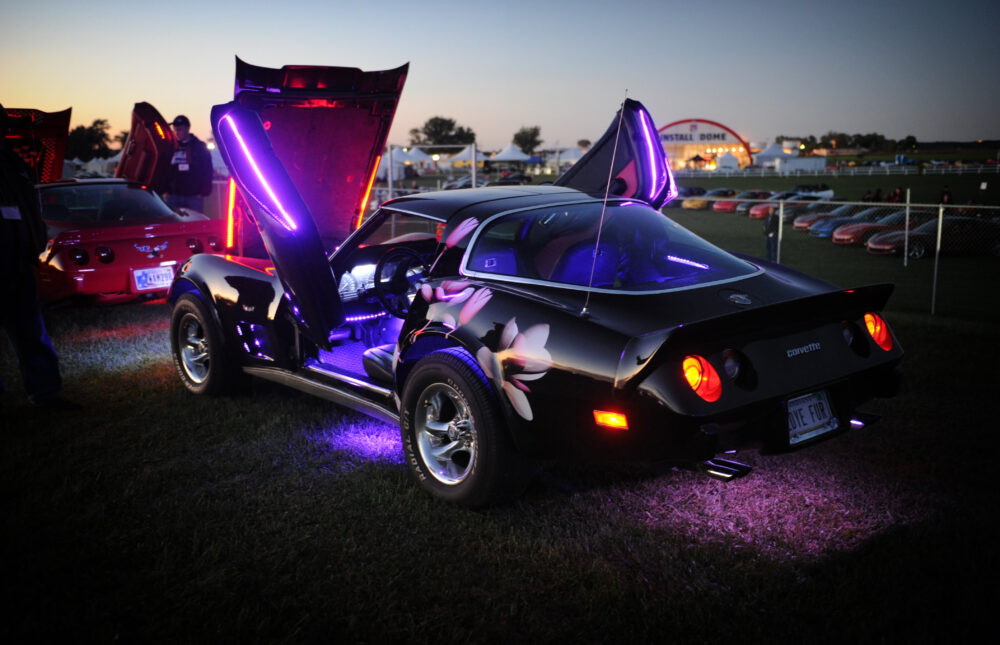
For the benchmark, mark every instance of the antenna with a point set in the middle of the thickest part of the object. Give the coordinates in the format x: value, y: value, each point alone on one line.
x: 600, y: 227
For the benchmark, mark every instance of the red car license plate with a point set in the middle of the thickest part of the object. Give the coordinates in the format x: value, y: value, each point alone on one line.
x: 152, y: 279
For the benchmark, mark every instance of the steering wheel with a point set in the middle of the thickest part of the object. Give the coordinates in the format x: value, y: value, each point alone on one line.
x: 396, y: 291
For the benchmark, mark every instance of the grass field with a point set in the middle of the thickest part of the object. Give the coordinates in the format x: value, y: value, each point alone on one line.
x: 153, y: 515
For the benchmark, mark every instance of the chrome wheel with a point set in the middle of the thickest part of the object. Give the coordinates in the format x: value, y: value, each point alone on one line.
x: 445, y: 433
x: 193, y: 344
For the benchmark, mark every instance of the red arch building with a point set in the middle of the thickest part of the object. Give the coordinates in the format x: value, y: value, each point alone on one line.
x: 688, y: 139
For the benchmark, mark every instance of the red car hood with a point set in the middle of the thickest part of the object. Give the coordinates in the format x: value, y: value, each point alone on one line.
x: 328, y: 126
x: 40, y: 139
x: 97, y: 232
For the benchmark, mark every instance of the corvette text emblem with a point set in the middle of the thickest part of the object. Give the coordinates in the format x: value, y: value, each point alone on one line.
x: 805, y: 349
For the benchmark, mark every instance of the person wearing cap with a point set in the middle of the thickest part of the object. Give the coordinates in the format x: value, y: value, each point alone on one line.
x: 22, y: 239
x: 190, y: 178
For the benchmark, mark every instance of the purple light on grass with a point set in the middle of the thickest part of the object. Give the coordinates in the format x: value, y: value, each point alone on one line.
x: 286, y: 219
x: 362, y: 441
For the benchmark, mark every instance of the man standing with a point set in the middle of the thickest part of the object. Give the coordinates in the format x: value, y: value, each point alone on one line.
x: 22, y: 238
x: 190, y: 179
x: 771, y: 225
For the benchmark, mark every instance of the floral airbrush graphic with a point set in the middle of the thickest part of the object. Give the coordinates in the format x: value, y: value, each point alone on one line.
x: 520, y: 357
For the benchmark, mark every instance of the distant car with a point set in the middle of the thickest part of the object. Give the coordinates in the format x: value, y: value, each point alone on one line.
x: 804, y: 221
x: 820, y: 190
x: 696, y: 203
x: 683, y: 192
x: 790, y: 197
x: 114, y: 240
x: 859, y: 233
x: 730, y: 206
x: 825, y: 227
x: 465, y: 182
x: 804, y: 205
x: 959, y: 235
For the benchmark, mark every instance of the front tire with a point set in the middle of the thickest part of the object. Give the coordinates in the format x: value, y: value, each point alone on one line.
x: 453, y: 433
x: 917, y: 250
x: 198, y: 350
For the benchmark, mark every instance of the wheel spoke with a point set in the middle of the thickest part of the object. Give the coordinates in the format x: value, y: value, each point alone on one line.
x: 445, y: 452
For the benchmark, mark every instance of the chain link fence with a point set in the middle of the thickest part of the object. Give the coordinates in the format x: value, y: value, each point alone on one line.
x: 943, y: 259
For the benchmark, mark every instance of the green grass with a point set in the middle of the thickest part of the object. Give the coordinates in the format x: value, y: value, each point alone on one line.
x: 156, y: 515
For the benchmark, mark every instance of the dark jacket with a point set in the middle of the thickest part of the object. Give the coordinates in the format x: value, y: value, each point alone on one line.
x: 21, y: 240
x: 190, y: 169
x: 772, y: 223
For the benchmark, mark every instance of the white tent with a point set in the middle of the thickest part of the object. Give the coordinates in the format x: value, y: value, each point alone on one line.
x: 218, y: 165
x: 769, y: 155
x: 510, y: 153
x: 417, y: 155
x: 398, y: 165
x: 727, y: 161
x: 103, y: 167
x: 463, y: 156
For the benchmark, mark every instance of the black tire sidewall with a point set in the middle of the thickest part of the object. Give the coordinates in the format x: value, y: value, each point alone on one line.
x: 498, y: 473
x: 221, y: 376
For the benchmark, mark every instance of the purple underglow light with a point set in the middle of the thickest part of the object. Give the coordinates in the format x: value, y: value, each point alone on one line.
x: 857, y: 423
x: 363, y: 441
x: 690, y: 263
x: 288, y: 222
x: 364, y: 317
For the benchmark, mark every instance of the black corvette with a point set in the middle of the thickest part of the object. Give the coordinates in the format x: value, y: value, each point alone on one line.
x: 502, y: 325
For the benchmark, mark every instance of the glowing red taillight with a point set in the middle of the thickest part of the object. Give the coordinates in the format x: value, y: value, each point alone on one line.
x: 879, y: 331
x: 702, y: 378
x: 611, y: 420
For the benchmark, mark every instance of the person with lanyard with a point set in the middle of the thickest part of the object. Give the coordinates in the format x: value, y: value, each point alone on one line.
x: 22, y: 239
x: 771, y: 225
x: 190, y: 178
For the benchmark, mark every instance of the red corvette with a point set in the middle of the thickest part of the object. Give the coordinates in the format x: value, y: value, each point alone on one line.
x: 115, y: 240
x: 729, y: 206
x: 109, y: 238
x: 859, y: 233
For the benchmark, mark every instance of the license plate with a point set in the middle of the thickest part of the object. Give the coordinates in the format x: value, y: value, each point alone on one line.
x: 810, y: 416
x: 155, y: 278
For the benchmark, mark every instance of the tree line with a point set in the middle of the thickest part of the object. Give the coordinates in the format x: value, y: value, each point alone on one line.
x: 872, y: 142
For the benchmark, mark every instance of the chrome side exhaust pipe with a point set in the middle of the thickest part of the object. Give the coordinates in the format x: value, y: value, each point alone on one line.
x: 724, y: 469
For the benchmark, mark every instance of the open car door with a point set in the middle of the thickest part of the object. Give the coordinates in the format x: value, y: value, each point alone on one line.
x: 148, y: 148
x: 283, y: 219
x: 641, y: 170
x: 328, y: 126
x: 40, y: 139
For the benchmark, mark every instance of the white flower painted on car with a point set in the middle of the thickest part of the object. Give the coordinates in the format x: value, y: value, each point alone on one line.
x: 446, y: 298
x: 521, y: 357
x: 461, y: 232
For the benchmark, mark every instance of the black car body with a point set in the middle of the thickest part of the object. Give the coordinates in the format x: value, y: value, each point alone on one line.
x: 502, y: 325
x: 959, y: 236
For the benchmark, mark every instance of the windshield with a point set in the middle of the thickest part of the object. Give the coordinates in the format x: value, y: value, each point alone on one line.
x: 103, y: 203
x: 639, y: 249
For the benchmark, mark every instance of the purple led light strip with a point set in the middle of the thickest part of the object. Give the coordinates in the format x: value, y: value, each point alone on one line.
x: 288, y: 222
x: 655, y: 160
x: 364, y: 317
x: 690, y: 263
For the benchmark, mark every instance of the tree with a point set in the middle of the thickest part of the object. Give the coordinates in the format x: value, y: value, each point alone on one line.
x: 87, y: 142
x: 121, y: 138
x: 583, y: 143
x: 439, y: 130
x: 528, y: 139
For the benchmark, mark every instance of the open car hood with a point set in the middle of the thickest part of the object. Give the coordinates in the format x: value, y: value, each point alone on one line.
x: 640, y: 167
x: 40, y: 139
x: 147, y: 151
x: 328, y: 126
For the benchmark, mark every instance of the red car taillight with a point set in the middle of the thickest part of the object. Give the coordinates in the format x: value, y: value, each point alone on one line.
x: 879, y: 331
x: 105, y: 254
x: 79, y: 256
x: 702, y: 378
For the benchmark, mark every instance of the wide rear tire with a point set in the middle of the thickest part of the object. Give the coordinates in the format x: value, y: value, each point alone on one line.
x: 454, y: 436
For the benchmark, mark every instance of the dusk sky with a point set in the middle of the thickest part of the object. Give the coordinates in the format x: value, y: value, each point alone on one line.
x: 930, y: 69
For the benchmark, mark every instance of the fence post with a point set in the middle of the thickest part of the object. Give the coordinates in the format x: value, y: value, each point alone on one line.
x: 473, y: 165
x: 937, y: 255
x: 906, y: 231
x: 781, y: 228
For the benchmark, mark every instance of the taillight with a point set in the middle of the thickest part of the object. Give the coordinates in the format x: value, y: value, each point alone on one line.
x: 105, y: 254
x: 215, y: 243
x: 612, y: 420
x: 194, y: 245
x: 79, y: 256
x: 879, y: 331
x: 702, y: 378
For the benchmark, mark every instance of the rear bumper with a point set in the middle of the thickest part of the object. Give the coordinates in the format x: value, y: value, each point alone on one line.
x: 55, y: 283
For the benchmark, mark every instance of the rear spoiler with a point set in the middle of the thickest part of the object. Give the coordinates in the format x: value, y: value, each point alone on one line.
x: 644, y: 353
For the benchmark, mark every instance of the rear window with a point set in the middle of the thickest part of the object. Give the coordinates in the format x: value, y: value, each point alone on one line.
x: 103, y: 203
x: 639, y: 250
